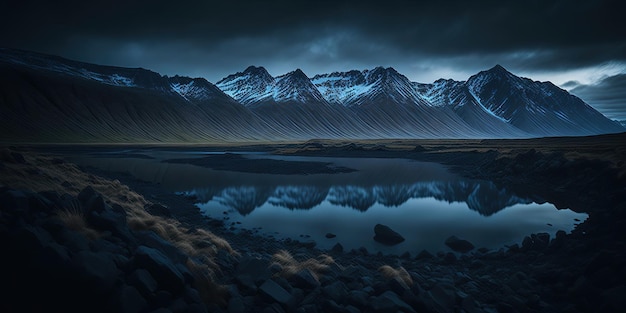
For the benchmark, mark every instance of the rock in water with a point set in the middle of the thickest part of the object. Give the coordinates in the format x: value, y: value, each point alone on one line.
x: 386, y: 235
x: 459, y: 245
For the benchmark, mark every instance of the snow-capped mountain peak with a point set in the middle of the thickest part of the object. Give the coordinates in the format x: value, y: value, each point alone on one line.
x: 248, y: 86
x: 532, y: 106
x: 354, y: 88
x: 260, y: 70
x: 194, y: 89
x: 295, y: 86
x: 256, y: 86
x: 298, y: 74
x: 251, y: 72
x: 499, y: 69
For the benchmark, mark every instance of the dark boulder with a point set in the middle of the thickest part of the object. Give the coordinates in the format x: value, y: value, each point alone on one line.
x: 443, y: 297
x: 254, y: 269
x: 337, y: 248
x: 304, y: 279
x: 459, y: 245
x: 152, y: 240
x: 386, y: 235
x: 538, y: 241
x: 111, y: 219
x: 308, y: 244
x: 251, y: 272
x: 130, y: 301
x: 192, y: 296
x: 96, y: 269
x: 357, y: 298
x: 143, y: 281
x: 337, y: 291
x: 449, y: 258
x: 424, y: 254
x: 275, y: 293
x: 164, y: 271
x: 389, y: 301
x: 236, y: 305
x: 91, y: 200
x: 541, y: 240
x: 397, y: 285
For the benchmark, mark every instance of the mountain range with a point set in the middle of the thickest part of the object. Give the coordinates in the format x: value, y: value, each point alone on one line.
x: 46, y: 98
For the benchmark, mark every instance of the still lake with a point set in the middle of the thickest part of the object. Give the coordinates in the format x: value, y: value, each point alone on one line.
x: 306, y: 198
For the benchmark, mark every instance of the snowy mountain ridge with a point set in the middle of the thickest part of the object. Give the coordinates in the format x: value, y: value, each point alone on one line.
x: 494, y: 101
x: 82, y: 102
x: 256, y: 86
x: 354, y: 88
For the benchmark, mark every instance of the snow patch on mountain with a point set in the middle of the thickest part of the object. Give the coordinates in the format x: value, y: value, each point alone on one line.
x: 113, y: 79
x: 191, y: 91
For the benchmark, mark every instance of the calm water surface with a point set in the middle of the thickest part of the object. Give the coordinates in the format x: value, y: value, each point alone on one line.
x: 423, y: 202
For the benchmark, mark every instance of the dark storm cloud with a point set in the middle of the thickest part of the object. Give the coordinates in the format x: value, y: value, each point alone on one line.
x: 608, y: 96
x: 214, y: 38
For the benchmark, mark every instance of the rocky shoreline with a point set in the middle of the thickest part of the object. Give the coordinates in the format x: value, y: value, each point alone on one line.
x: 130, y: 270
x: 66, y: 271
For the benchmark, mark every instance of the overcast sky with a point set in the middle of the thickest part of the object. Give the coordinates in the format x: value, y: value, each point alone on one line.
x: 580, y: 45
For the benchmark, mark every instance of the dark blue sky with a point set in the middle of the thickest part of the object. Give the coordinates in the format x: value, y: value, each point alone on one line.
x: 580, y: 45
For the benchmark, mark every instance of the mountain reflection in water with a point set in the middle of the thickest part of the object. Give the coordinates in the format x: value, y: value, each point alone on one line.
x: 483, y: 197
x: 424, y: 202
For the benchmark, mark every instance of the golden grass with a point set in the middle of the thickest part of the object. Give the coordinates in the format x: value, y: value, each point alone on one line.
x: 291, y: 266
x: 75, y: 219
x: 204, y: 282
x: 196, y: 242
x: 398, y: 272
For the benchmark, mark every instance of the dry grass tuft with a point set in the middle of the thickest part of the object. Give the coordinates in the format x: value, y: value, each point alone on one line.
x: 204, y: 236
x: 200, y: 244
x: 291, y: 266
x: 398, y: 272
x: 197, y: 242
x: 75, y: 220
x: 204, y: 282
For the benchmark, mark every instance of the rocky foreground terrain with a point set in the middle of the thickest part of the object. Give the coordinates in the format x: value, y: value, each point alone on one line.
x: 77, y: 240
